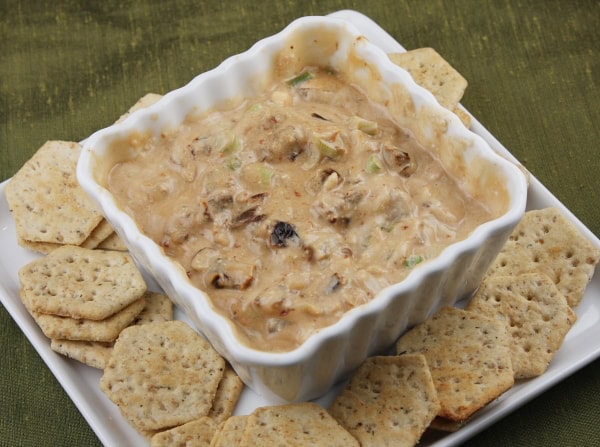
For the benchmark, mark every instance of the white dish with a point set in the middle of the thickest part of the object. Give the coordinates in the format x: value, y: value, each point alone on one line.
x: 330, y: 353
x: 581, y: 346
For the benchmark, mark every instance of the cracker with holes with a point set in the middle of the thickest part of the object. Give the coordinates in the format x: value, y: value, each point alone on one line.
x: 162, y: 375
x: 46, y: 200
x: 537, y: 315
x: 431, y: 71
x: 545, y: 241
x: 227, y: 396
x: 469, y: 358
x: 158, y: 308
x: 388, y: 399
x: 107, y: 330
x: 78, y: 282
x: 99, y: 234
x: 295, y: 424
x: 198, y: 433
x: 91, y: 353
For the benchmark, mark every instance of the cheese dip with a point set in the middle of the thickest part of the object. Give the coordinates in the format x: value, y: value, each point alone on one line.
x: 294, y: 206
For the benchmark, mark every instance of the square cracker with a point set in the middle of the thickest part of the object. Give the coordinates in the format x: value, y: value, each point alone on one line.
x: 301, y: 424
x: 228, y: 394
x: 431, y: 71
x: 46, y: 200
x: 162, y: 375
x: 545, y: 241
x: 536, y: 314
x: 82, y: 283
x: 198, y: 433
x: 230, y: 432
x: 388, y: 398
x: 468, y: 356
x: 66, y: 328
x: 91, y: 353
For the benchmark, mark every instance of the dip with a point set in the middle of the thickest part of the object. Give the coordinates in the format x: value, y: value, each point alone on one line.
x: 294, y: 206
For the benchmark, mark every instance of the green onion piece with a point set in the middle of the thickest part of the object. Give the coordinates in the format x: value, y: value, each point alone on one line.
x: 366, y: 126
x: 228, y: 143
x: 374, y: 164
x: 329, y: 149
x: 257, y: 107
x: 265, y: 175
x: 302, y: 77
x: 413, y: 260
x: 233, y: 163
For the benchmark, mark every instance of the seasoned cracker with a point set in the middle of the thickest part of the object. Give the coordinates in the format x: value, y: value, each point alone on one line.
x: 536, y: 314
x: 82, y: 283
x: 431, y: 71
x: 545, y: 241
x: 158, y: 308
x: 388, y: 399
x: 39, y: 247
x: 91, y: 353
x: 107, y: 330
x: 100, y: 233
x: 145, y: 101
x: 469, y: 358
x: 228, y: 394
x: 47, y: 202
x: 301, y: 424
x: 230, y: 432
x: 162, y: 375
x: 196, y: 433
x: 113, y: 242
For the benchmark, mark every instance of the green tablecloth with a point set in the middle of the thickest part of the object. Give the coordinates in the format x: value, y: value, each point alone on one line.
x: 68, y: 68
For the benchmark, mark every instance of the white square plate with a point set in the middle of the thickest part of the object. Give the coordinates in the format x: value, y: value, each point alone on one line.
x: 581, y: 346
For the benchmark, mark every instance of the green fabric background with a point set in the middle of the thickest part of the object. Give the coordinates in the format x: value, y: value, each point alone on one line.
x: 68, y: 68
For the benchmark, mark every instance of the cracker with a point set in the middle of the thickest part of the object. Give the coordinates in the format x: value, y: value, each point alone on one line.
x: 468, y: 356
x: 46, y: 200
x: 82, y: 283
x: 463, y: 115
x: 91, y: 353
x: 298, y: 424
x: 158, y: 308
x: 100, y: 233
x: 107, y: 330
x: 228, y: 394
x: 196, y: 433
x: 162, y: 375
x: 145, y: 101
x: 113, y: 242
x: 545, y: 241
x: 431, y: 71
x: 388, y: 398
x: 230, y: 432
x: 39, y: 247
x: 536, y: 314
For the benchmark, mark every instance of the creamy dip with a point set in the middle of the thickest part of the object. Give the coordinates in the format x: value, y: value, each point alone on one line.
x: 294, y: 206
